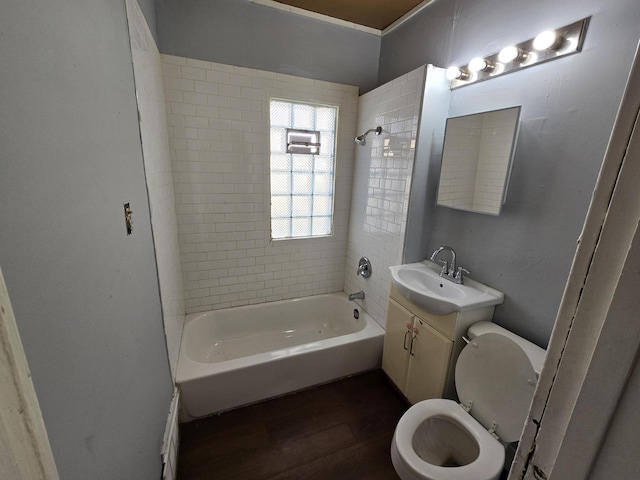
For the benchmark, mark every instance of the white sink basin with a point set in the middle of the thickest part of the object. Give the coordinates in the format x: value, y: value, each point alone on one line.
x: 422, y: 284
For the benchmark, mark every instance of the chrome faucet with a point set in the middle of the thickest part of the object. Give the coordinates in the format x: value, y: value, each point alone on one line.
x: 449, y: 270
x: 356, y: 296
x: 447, y: 267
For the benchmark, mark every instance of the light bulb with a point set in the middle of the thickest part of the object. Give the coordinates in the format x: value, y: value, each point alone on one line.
x: 479, y: 64
x: 549, y: 39
x: 454, y: 73
x: 511, y: 53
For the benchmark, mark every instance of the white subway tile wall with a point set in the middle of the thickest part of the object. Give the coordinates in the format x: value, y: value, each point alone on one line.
x: 218, y: 123
x: 382, y: 181
x: 158, y: 172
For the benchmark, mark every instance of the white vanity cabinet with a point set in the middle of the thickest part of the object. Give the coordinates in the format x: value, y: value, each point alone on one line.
x: 397, y: 341
x: 420, y: 349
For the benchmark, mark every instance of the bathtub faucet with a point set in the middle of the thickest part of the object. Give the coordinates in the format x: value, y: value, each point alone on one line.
x: 357, y: 295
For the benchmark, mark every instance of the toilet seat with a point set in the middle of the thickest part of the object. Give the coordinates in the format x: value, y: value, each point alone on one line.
x: 487, y: 465
x: 495, y: 377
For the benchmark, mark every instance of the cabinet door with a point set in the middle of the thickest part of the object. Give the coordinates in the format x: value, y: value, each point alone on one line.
x: 395, y: 358
x: 429, y: 360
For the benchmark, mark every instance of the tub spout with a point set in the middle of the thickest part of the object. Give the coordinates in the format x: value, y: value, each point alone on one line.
x: 357, y: 295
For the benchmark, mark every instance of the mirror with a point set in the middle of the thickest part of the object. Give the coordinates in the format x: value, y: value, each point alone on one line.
x: 476, y: 160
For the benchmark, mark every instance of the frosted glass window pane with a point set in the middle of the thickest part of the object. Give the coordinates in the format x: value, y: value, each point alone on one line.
x: 301, y: 227
x: 278, y: 140
x: 323, y: 164
x: 321, y: 226
x: 327, y: 139
x: 280, y: 114
x: 303, y: 183
x: 281, y: 162
x: 325, y: 119
x: 280, y: 227
x: 301, y: 206
x: 322, y: 205
x: 281, y: 206
x: 322, y: 183
x: 280, y: 183
x: 303, y: 116
x: 302, y: 163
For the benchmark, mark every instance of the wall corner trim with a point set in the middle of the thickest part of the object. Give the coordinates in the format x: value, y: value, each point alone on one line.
x: 27, y: 446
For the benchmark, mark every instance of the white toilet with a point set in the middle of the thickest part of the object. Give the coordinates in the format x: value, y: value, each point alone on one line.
x: 438, y: 439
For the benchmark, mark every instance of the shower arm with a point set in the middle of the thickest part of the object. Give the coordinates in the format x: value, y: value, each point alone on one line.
x: 361, y: 140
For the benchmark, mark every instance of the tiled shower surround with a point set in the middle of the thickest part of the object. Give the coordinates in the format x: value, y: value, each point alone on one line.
x: 382, y: 181
x: 157, y: 166
x: 218, y: 123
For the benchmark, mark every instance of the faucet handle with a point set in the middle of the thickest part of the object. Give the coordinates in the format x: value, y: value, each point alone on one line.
x: 364, y: 267
x: 445, y: 267
x: 458, y: 274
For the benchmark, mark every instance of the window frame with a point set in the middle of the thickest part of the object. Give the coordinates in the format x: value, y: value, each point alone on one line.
x: 324, y: 148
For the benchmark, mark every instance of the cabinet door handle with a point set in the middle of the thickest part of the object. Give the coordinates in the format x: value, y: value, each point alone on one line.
x: 404, y: 344
x: 415, y: 333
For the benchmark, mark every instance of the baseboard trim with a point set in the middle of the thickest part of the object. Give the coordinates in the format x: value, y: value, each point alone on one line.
x: 171, y: 441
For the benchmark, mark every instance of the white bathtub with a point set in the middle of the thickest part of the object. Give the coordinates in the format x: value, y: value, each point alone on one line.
x: 237, y: 356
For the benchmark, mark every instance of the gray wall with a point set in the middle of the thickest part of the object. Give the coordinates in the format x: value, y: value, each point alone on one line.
x: 85, y: 295
x: 148, y: 8
x: 616, y: 456
x: 241, y: 33
x: 568, y: 109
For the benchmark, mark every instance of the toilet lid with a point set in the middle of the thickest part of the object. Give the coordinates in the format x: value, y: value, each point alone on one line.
x: 496, y: 375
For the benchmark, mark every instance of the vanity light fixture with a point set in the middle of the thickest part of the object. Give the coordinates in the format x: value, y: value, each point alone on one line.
x: 546, y: 46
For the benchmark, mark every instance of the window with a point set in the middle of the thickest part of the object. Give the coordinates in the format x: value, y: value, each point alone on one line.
x: 302, y: 169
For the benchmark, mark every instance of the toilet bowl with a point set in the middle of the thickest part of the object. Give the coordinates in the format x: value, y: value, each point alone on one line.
x: 440, y: 439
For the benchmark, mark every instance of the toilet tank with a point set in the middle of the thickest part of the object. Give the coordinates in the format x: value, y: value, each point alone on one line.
x: 535, y: 353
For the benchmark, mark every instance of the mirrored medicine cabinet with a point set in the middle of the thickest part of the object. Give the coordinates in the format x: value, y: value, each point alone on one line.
x: 476, y: 160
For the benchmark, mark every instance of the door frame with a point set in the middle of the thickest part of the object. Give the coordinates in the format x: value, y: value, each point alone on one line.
x: 596, y: 337
x: 25, y: 451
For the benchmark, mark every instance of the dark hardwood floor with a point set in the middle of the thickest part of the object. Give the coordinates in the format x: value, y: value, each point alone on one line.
x: 341, y: 430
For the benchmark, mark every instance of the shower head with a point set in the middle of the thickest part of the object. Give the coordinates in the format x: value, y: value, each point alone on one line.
x: 362, y: 139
